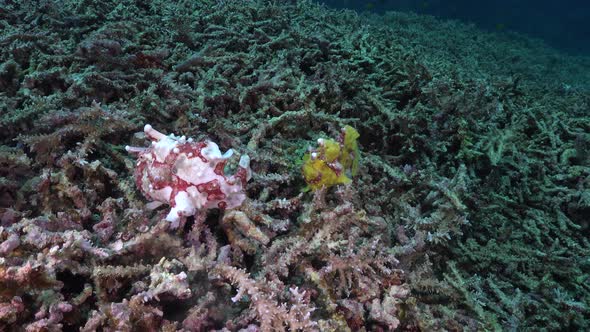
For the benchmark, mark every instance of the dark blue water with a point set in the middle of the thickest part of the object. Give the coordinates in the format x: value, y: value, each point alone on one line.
x: 564, y: 25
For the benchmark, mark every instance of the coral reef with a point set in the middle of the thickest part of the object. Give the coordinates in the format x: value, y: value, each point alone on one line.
x: 469, y: 210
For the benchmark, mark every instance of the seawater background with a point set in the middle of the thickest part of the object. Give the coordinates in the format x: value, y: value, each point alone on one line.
x: 562, y: 24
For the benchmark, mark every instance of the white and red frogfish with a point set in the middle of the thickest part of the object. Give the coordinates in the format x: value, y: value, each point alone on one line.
x: 187, y: 175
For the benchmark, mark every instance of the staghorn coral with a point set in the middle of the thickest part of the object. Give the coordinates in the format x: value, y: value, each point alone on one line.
x: 472, y: 186
x: 272, y: 315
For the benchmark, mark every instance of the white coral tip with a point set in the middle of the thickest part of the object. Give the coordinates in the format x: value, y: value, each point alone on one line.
x: 244, y: 161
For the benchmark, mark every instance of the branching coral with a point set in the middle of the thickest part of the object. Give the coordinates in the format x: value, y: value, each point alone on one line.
x: 272, y: 316
x: 473, y: 184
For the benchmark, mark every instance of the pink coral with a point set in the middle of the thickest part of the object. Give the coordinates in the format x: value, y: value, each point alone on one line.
x: 188, y: 175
